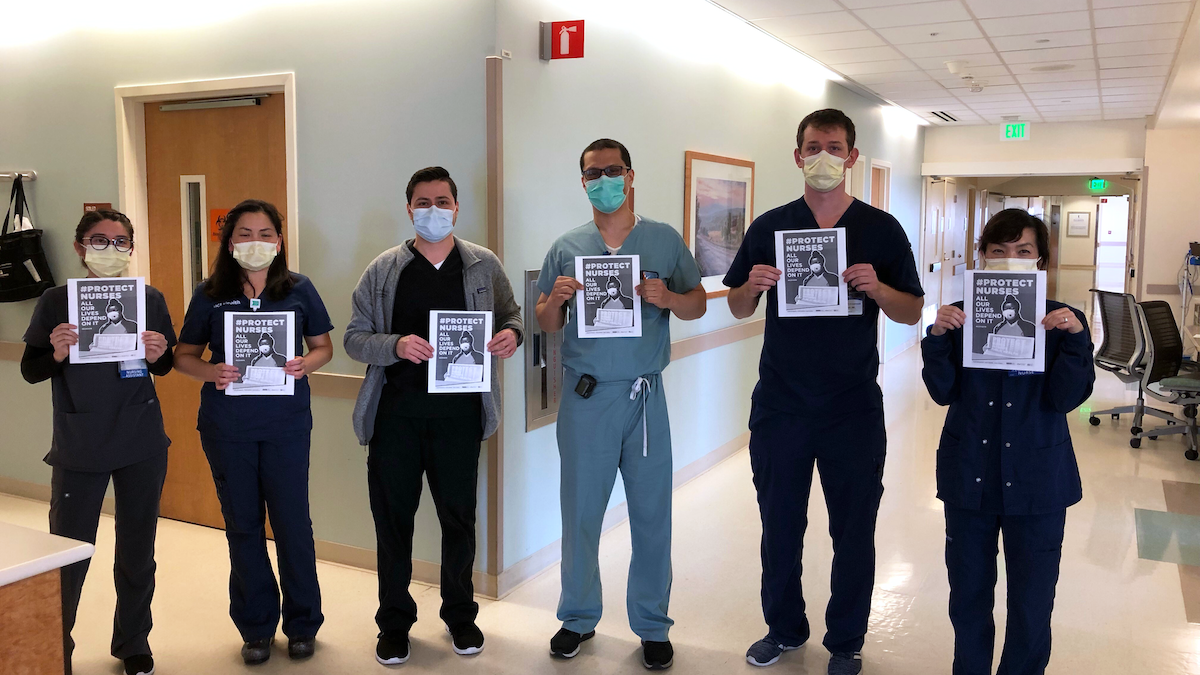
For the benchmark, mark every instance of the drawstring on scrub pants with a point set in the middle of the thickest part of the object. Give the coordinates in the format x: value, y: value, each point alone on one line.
x: 641, y: 386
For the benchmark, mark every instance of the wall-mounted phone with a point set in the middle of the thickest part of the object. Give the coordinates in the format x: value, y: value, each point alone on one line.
x: 543, y: 363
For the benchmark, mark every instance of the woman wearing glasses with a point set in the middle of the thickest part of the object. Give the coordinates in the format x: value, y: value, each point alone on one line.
x: 107, y: 425
x: 258, y: 446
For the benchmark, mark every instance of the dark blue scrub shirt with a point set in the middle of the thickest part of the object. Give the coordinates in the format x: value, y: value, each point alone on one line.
x: 253, y: 418
x: 812, y: 365
x: 1005, y: 448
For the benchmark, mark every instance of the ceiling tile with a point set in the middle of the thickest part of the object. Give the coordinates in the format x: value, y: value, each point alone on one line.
x: 992, y: 81
x: 810, y: 24
x: 954, y: 48
x: 1133, y: 16
x: 1127, y: 73
x: 1050, y: 98
x: 831, y: 41
x: 1048, y: 55
x: 937, y: 67
x: 1121, y: 116
x: 1044, y: 23
x: 928, y: 89
x: 914, y: 15
x: 1081, y: 107
x: 970, y: 64
x: 986, y: 98
x: 1137, y: 48
x: 867, y: 4
x: 1105, y: 4
x: 986, y: 9
x: 1072, y: 38
x: 1133, y: 98
x: 1080, y: 65
x: 989, y: 92
x: 1066, y: 76
x: 1159, y: 31
x: 1137, y: 61
x: 843, y: 56
x: 1126, y: 91
x: 762, y: 9
x: 958, y: 30
x: 877, y: 67
x: 1060, y: 86
x: 877, y: 78
x: 1135, y: 82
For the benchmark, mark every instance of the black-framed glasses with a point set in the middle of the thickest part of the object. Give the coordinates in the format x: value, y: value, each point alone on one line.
x: 100, y: 242
x: 614, y: 171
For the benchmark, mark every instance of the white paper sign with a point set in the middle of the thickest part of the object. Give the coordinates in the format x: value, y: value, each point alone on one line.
x: 111, y: 316
x: 1004, y: 320
x: 812, y: 262
x: 460, y: 363
x: 608, y: 306
x: 260, y: 344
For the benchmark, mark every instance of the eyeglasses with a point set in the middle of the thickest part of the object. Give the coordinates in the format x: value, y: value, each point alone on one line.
x: 613, y: 171
x: 100, y: 242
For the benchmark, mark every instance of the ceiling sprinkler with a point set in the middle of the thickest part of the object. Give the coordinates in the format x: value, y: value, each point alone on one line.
x: 976, y: 86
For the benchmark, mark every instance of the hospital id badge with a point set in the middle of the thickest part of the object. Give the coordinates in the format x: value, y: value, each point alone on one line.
x: 131, y: 369
x: 854, y: 302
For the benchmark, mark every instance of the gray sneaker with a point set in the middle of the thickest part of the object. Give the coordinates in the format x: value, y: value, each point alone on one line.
x: 767, y: 651
x: 845, y: 664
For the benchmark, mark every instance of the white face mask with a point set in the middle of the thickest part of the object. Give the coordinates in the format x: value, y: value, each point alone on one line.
x: 107, y: 263
x: 255, y: 255
x: 433, y: 224
x: 1010, y: 264
x: 823, y: 172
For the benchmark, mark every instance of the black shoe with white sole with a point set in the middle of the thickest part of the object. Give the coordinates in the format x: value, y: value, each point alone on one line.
x: 565, y: 643
x: 142, y: 664
x: 393, y: 648
x: 657, y: 655
x: 467, y: 638
x: 255, y: 652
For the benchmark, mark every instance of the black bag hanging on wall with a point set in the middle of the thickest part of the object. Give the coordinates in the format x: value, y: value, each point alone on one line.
x: 24, y: 272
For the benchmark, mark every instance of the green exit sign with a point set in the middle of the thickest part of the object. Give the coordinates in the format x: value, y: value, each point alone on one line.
x: 1098, y: 184
x: 1015, y: 131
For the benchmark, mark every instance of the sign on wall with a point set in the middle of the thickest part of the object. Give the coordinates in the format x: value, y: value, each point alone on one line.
x: 1015, y: 131
x: 562, y: 40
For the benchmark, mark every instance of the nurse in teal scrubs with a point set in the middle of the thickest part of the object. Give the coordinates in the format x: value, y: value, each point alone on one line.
x: 620, y: 422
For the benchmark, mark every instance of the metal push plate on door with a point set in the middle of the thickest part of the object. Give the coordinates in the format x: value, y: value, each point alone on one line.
x: 543, y: 363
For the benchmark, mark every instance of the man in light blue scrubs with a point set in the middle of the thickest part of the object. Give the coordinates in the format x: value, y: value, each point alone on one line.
x: 614, y: 412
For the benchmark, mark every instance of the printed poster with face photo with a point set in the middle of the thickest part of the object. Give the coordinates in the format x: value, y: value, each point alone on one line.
x: 1004, y: 321
x: 260, y: 344
x: 812, y: 262
x: 460, y: 362
x: 608, y: 305
x: 111, y: 315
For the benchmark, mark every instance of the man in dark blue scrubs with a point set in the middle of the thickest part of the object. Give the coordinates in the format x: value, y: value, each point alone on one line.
x: 817, y: 400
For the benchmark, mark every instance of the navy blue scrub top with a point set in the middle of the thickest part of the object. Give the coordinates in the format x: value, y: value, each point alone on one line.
x: 1005, y: 448
x: 811, y: 365
x: 254, y: 418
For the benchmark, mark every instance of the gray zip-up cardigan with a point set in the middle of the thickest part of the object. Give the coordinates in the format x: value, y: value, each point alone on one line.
x: 369, y: 338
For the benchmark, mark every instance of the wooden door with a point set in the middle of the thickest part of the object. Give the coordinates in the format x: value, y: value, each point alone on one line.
x: 879, y: 188
x: 931, y: 254
x: 235, y: 153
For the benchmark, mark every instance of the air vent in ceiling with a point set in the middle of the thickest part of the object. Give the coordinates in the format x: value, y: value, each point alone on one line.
x: 944, y: 116
x: 1053, y: 68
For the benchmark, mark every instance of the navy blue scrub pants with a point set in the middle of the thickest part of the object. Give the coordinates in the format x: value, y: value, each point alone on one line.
x: 848, y: 449
x: 76, y: 498
x: 1032, y: 552
x: 252, y: 479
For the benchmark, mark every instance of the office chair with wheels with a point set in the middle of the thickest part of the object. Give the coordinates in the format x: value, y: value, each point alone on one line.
x: 1168, y: 377
x: 1123, y: 353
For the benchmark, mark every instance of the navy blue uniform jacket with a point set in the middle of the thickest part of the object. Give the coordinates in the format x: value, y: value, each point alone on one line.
x: 1005, y: 448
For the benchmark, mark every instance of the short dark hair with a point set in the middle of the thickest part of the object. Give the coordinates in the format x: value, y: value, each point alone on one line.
x: 826, y: 120
x: 1009, y: 225
x: 606, y: 144
x: 431, y: 174
x: 89, y: 220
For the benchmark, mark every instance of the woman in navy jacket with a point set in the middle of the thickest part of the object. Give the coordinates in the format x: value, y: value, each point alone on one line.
x: 1005, y: 463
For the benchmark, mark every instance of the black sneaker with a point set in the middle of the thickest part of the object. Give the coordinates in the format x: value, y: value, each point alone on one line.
x: 392, y: 649
x: 255, y: 652
x: 142, y: 664
x: 657, y: 655
x: 301, y: 648
x: 565, y: 643
x: 849, y: 663
x: 467, y: 638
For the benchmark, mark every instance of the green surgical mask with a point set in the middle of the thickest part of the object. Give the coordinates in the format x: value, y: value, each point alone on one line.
x: 606, y: 194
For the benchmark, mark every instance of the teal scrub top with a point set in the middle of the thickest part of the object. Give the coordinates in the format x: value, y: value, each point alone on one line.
x: 616, y: 359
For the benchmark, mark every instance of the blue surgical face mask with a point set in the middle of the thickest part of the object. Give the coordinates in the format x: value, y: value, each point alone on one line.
x: 433, y: 224
x: 606, y: 194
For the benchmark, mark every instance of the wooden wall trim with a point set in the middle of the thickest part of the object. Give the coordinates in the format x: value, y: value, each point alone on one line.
x: 11, y: 351
x: 1079, y: 268
x: 335, y: 385
x: 691, y: 346
x: 1162, y: 289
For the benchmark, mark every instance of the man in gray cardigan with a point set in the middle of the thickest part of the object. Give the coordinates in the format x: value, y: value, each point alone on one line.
x: 410, y: 431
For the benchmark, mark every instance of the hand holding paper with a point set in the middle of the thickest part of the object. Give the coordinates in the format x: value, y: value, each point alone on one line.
x: 1063, y: 319
x: 156, y: 345
x: 61, y: 338
x: 224, y: 375
x: 654, y: 291
x: 948, y: 318
x: 504, y: 344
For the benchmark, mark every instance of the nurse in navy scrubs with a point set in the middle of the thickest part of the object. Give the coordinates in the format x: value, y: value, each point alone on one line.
x: 258, y: 446
x: 1005, y: 464
x: 107, y: 426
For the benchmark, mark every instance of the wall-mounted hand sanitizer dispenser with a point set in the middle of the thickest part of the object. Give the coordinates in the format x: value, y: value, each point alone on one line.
x: 543, y: 363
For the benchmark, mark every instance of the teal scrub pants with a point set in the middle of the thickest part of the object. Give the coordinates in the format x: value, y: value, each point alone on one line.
x: 596, y: 437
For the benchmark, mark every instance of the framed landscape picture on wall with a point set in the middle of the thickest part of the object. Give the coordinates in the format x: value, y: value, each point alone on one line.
x: 718, y: 205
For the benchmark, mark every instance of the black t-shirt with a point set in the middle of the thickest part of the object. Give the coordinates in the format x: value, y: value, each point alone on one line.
x: 101, y: 421
x: 421, y: 289
x: 814, y: 364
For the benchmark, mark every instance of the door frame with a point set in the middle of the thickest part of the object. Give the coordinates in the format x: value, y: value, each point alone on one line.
x: 131, y: 148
